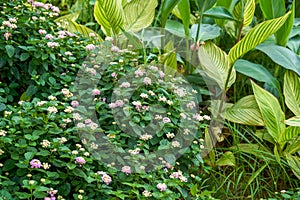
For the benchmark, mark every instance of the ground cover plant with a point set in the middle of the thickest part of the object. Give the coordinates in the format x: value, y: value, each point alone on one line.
x: 95, y: 104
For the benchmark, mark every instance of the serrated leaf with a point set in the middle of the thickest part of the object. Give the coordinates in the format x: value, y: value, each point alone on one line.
x: 244, y: 11
x: 139, y: 14
x: 245, y: 111
x: 291, y: 91
x: 256, y: 36
x: 110, y: 15
x: 215, y: 64
x: 271, y: 112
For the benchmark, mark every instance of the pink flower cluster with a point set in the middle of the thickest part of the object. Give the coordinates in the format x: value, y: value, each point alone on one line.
x: 46, y: 6
x: 161, y: 186
x: 35, y: 163
x: 126, y: 170
x: 105, y: 177
x: 52, y: 44
x: 90, y: 47
x: 52, y: 193
x: 80, y: 160
x: 118, y: 103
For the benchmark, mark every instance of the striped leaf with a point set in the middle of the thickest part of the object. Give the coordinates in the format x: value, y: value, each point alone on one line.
x: 215, y: 64
x: 139, y: 14
x: 256, y: 36
x: 244, y: 10
x: 294, y: 121
x: 69, y: 17
x: 291, y: 91
x: 290, y: 133
x: 110, y: 15
x: 245, y: 111
x: 73, y: 27
x: 271, y: 112
x: 294, y: 163
x: 293, y: 147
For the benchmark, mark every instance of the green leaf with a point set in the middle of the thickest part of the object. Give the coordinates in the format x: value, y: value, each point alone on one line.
x: 31, y: 90
x: 110, y: 15
x: 264, y: 135
x: 294, y: 121
x: 215, y: 64
x: 69, y: 17
x: 290, y: 133
x: 170, y: 62
x: 256, y: 36
x: 139, y: 14
x: 270, y: 109
x: 293, y: 147
x: 294, y: 163
x: 227, y: 159
x: 2, y: 107
x: 166, y: 9
x: 272, y: 8
x: 254, y: 175
x: 204, y: 5
x: 29, y: 155
x: 245, y: 111
x: 291, y: 91
x: 209, y: 148
x: 219, y: 13
x: 228, y: 5
x: 244, y: 11
x: 254, y: 149
x: 73, y: 27
x: 185, y: 13
x: 282, y: 56
x: 207, y: 32
x: 24, y: 56
x: 175, y: 28
x: 255, y: 71
x: 282, y: 35
x: 10, y: 50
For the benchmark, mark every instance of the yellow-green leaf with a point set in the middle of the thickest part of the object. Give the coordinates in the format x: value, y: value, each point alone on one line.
x: 227, y: 159
x: 110, y: 15
x: 291, y: 91
x: 215, y: 64
x: 294, y: 163
x: 256, y: 36
x: 293, y: 147
x: 264, y: 135
x: 69, y: 17
x: 244, y: 10
x: 294, y: 121
x: 253, y: 149
x: 271, y: 112
x: 139, y: 14
x: 290, y: 133
x: 170, y: 60
x: 245, y: 111
x: 73, y: 27
x: 176, y: 12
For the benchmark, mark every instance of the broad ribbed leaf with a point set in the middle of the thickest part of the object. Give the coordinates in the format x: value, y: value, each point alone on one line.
x: 219, y: 13
x: 69, y: 17
x: 282, y: 56
x: 272, y: 8
x: 293, y: 147
x: 254, y: 149
x: 215, y: 64
x: 245, y: 111
x: 294, y: 121
x: 290, y: 133
x: 184, y: 10
x: 110, y: 15
x: 244, y: 10
x: 256, y: 36
x: 271, y: 112
x: 291, y: 91
x: 227, y: 159
x: 73, y: 27
x: 139, y: 14
x: 294, y: 163
x: 166, y: 9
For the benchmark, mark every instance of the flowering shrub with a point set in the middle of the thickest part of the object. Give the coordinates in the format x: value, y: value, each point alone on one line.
x: 37, y: 57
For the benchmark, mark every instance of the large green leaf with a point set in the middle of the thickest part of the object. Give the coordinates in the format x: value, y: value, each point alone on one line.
x: 282, y: 35
x: 227, y: 159
x: 290, y: 133
x: 69, y: 17
x: 254, y: 149
x: 166, y: 9
x: 73, y: 27
x: 219, y: 13
x: 215, y: 64
x: 293, y: 147
x: 110, y: 15
x: 139, y: 14
x: 272, y: 8
x: 175, y: 27
x: 294, y: 163
x: 294, y: 121
x: 227, y: 4
x: 184, y: 10
x: 170, y: 62
x: 204, y: 5
x: 291, y: 91
x: 244, y: 11
x: 245, y: 111
x: 255, y: 71
x: 282, y: 56
x: 207, y: 32
x: 256, y: 36
x: 271, y: 112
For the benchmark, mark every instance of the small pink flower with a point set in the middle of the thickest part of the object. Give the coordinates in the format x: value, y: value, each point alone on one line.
x: 109, y: 39
x: 55, y: 9
x: 96, y: 92
x: 80, y: 160
x: 161, y: 74
x: 106, y: 178
x: 7, y: 35
x: 166, y: 120
x: 147, y: 81
x: 75, y: 103
x: 35, y: 163
x: 112, y: 105
x: 161, y: 186
x: 104, y: 100
x: 90, y: 47
x: 126, y: 169
x: 92, y: 35
x: 42, y: 32
x: 119, y: 103
x: 49, y: 37
x: 115, y: 49
x: 114, y: 74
